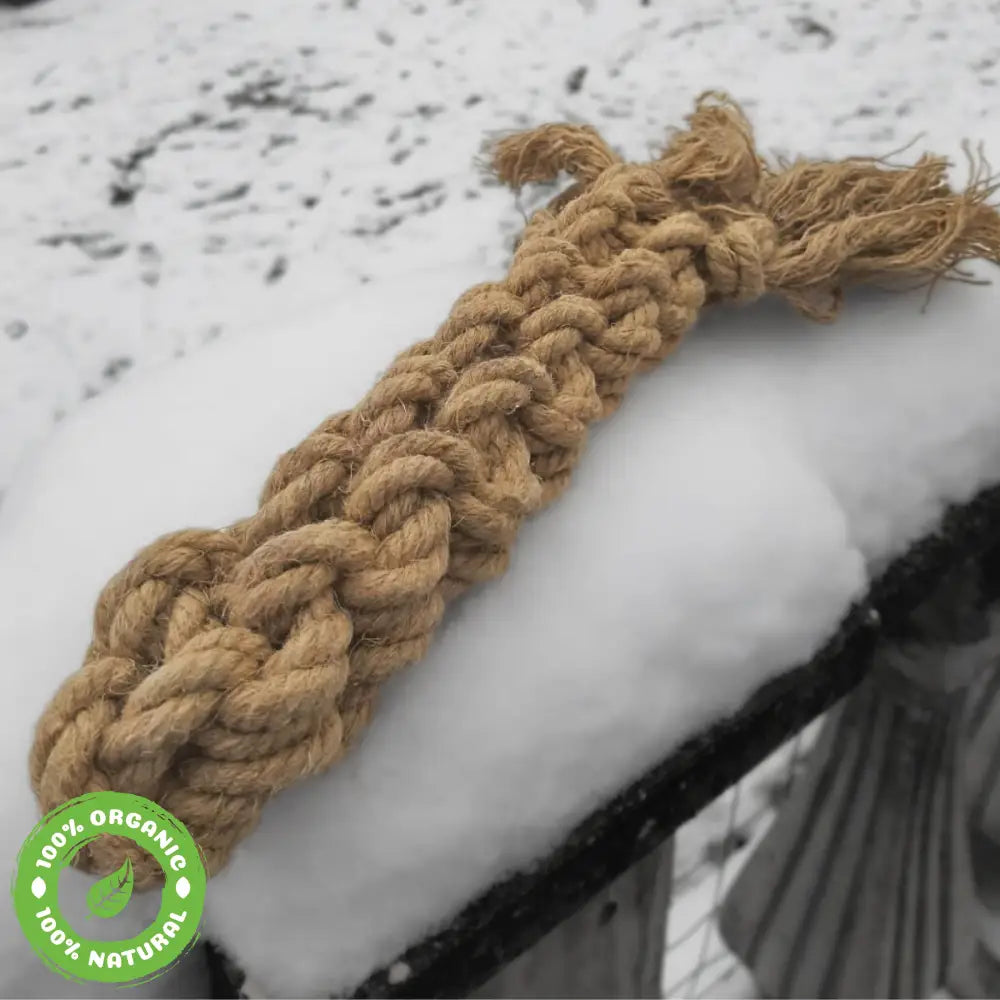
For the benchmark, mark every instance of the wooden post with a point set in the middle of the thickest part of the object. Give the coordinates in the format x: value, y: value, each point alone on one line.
x: 864, y: 885
x: 981, y: 978
x: 613, y: 947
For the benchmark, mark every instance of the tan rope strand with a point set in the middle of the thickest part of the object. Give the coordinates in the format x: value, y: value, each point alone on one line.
x: 229, y: 664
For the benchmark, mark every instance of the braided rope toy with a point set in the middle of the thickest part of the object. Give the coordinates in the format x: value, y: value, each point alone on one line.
x: 229, y: 664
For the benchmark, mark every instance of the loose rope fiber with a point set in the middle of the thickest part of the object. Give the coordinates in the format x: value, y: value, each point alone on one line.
x: 228, y: 664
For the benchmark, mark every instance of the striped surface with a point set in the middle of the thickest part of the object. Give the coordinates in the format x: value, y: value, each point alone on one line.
x: 863, y: 888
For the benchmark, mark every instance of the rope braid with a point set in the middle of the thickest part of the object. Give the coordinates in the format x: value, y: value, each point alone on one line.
x: 228, y: 664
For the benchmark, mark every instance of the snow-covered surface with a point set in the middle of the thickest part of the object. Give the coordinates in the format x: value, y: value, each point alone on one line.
x: 176, y: 173
x: 169, y: 168
x: 728, y: 513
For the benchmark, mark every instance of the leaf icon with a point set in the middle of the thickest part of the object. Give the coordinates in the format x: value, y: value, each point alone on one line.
x: 109, y: 896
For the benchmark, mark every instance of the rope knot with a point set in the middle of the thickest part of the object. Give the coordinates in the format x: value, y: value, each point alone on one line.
x: 736, y: 258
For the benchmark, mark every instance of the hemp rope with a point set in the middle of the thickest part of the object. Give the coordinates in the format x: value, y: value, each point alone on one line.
x: 228, y: 664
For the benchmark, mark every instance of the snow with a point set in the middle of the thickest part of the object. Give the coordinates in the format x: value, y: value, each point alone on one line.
x: 731, y: 510
x: 161, y: 161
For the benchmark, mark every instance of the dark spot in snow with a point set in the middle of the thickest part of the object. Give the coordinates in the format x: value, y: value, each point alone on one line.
x: 471, y: 194
x: 277, y: 269
x: 864, y: 111
x: 205, y: 86
x: 276, y: 140
x: 263, y: 93
x: 421, y: 189
x: 385, y: 37
x: 394, y: 134
x: 240, y: 68
x: 806, y: 26
x: 307, y: 50
x: 363, y: 100
x: 81, y: 102
x: 575, y: 80
x: 214, y: 243
x: 473, y: 99
x: 310, y: 201
x: 231, y: 194
x: 115, y: 367
x: 258, y: 94
x: 429, y: 206
x: 378, y: 228
x: 400, y: 155
x: 42, y: 74
x: 16, y: 329
x: 97, y: 246
x: 694, y: 28
x: 429, y: 110
x: 89, y: 392
x: 40, y: 109
x: 383, y: 201
x: 230, y: 125
x: 319, y: 88
x: 127, y: 183
x: 608, y: 911
x: 122, y: 194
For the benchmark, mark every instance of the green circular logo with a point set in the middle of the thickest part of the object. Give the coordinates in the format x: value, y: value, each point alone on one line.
x: 51, y: 847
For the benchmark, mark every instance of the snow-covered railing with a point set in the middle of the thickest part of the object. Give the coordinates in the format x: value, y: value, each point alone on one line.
x: 517, y: 913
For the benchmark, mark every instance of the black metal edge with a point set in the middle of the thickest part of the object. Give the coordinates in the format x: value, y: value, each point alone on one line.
x: 224, y: 979
x: 513, y: 915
